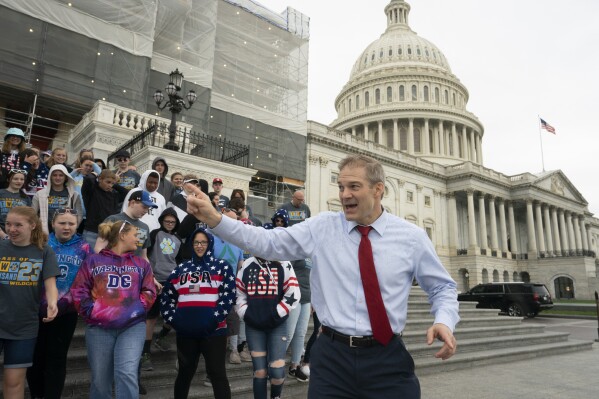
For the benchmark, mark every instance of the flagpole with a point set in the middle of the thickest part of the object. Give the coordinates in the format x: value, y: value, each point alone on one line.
x: 541, y: 140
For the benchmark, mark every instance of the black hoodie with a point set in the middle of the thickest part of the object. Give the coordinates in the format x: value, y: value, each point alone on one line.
x: 165, y: 187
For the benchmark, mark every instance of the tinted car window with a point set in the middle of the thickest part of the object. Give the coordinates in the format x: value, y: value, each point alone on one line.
x: 540, y: 289
x: 494, y: 289
x: 519, y: 288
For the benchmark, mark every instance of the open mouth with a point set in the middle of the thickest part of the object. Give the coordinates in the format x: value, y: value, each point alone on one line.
x: 350, y: 207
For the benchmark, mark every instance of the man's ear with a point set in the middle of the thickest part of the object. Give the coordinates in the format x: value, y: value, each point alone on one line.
x: 379, y: 189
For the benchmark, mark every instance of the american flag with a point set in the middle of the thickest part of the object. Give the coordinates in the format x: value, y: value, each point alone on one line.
x: 547, y: 126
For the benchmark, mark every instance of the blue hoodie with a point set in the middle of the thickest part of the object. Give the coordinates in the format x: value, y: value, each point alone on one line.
x: 280, y: 213
x: 199, y: 294
x: 69, y: 255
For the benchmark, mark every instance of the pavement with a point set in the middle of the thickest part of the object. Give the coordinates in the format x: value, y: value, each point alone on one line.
x: 572, y: 376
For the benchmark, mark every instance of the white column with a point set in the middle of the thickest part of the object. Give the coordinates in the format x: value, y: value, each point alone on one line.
x: 548, y: 233
x: 471, y: 222
x: 472, y: 147
x: 454, y: 139
x: 492, y: 214
x: 502, y: 225
x: 395, y: 135
x: 530, y: 227
x: 540, y: 234
x: 380, y: 137
x: 425, y: 139
x: 555, y: 226
x: 366, y: 132
x: 479, y: 149
x: 571, y: 237
x: 353, y: 131
x: 577, y: 235
x: 446, y: 141
x: 512, y: 220
x: 464, y: 143
x: 583, y: 233
x: 411, y: 136
x: 589, y: 237
x: 564, y: 233
x: 483, y: 222
x: 440, y: 139
x: 453, y: 223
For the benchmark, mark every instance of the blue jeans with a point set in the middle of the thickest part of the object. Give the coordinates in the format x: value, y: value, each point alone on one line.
x: 114, y: 354
x: 297, y: 325
x: 274, y: 343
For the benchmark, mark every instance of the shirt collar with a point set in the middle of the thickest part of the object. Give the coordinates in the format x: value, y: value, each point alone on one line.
x: 379, y: 225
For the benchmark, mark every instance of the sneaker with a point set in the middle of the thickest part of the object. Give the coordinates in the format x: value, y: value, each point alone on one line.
x: 234, y: 358
x: 245, y: 355
x: 162, y: 344
x: 207, y: 382
x: 299, y: 375
x: 306, y: 370
x: 292, y: 371
x: 146, y: 362
x: 142, y: 390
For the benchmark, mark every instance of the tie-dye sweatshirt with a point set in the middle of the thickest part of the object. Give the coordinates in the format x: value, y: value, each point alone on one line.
x: 114, y: 291
x: 199, y: 294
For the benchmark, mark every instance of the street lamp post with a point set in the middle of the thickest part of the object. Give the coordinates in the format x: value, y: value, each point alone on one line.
x: 175, y: 104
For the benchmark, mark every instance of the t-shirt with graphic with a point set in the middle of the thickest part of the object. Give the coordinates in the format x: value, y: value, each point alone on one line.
x: 129, y: 179
x: 56, y: 200
x: 296, y: 214
x: 143, y: 232
x: 8, y: 201
x: 163, y: 254
x: 22, y: 272
x: 228, y: 252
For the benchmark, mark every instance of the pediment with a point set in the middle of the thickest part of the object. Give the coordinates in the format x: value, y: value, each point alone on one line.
x: 557, y: 183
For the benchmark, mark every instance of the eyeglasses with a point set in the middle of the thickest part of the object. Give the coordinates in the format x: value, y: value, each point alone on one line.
x: 62, y: 211
x: 122, y: 159
x: 200, y: 243
x: 123, y: 226
x: 12, y: 171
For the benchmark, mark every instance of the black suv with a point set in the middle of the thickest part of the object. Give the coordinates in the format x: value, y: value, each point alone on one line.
x: 515, y: 299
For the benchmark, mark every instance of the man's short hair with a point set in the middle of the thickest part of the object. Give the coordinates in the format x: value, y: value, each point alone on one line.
x: 374, y: 170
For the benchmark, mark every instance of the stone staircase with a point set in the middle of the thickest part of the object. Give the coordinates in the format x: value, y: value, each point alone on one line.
x: 484, y: 337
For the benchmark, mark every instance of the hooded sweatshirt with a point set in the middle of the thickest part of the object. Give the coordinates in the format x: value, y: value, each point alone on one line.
x: 266, y: 292
x: 43, y: 201
x: 100, y: 203
x: 199, y: 294
x: 150, y: 218
x: 114, y: 291
x: 280, y: 213
x: 69, y: 255
x: 164, y: 247
x: 165, y: 187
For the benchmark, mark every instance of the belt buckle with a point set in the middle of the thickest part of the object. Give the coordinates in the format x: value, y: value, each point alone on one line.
x: 351, y: 340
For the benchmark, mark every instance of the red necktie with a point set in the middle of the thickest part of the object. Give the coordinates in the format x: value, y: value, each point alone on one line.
x: 381, y: 329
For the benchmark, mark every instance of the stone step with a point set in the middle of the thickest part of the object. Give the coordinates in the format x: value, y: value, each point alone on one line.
x: 465, y: 322
x: 464, y: 313
x: 464, y: 360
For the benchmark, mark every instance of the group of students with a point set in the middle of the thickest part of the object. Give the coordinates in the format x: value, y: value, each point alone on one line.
x: 49, y: 274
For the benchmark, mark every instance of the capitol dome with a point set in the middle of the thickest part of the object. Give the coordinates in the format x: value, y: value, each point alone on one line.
x: 402, y: 94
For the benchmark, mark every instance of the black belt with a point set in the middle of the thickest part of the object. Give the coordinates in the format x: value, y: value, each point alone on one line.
x: 353, y: 341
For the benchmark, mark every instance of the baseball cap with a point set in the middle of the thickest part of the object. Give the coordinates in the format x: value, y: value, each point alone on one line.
x: 143, y: 197
x: 15, y: 131
x: 217, y: 180
x: 122, y: 154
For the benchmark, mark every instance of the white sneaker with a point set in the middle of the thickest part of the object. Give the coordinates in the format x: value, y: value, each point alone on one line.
x: 306, y: 370
x: 234, y: 358
x: 245, y: 355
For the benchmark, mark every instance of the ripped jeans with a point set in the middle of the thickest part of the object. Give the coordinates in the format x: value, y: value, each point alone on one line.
x: 273, y: 343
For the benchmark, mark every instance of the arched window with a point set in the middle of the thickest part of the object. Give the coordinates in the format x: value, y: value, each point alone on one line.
x: 417, y: 140
x: 425, y: 93
x: 377, y: 96
x: 358, y: 101
x: 349, y: 101
x: 409, y: 50
x: 367, y: 99
x: 403, y: 139
x: 389, y: 94
x: 365, y: 60
x: 381, y: 54
x: 446, y: 97
x: 418, y: 50
x: 437, y: 95
x: 390, y: 51
x: 399, y: 50
x: 453, y: 99
x: 414, y: 93
x: 402, y: 94
x: 426, y: 52
x: 372, y: 58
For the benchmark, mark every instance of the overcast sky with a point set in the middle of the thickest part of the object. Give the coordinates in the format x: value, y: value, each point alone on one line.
x: 517, y: 58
